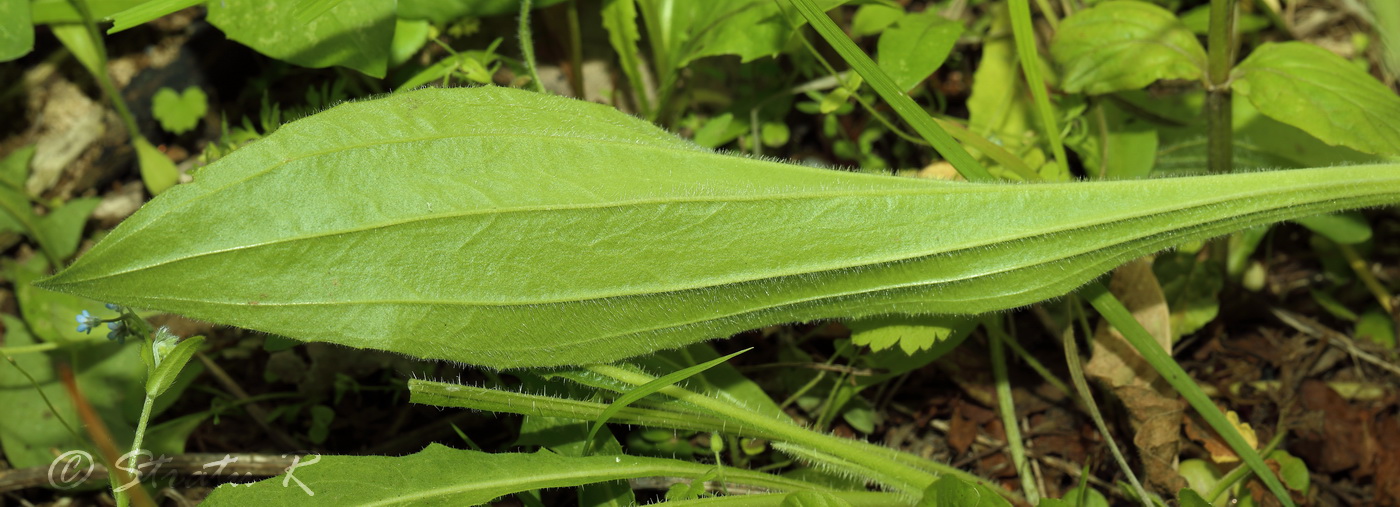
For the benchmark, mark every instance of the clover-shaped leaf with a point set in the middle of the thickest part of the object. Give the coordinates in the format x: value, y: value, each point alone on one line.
x: 179, y: 112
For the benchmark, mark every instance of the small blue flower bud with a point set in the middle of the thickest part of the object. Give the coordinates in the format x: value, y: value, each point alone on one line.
x: 114, y: 307
x: 163, y: 343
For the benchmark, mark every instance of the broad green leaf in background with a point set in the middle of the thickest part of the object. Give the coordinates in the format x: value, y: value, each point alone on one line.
x: 179, y: 112
x: 948, y: 490
x: 61, y: 11
x: 1191, y: 289
x: 1124, y: 45
x: 1387, y: 23
x: 62, y: 229
x: 916, y: 46
x: 874, y: 17
x: 1348, y: 228
x: 440, y: 475
x: 409, y: 36
x: 50, y: 315
x: 147, y: 11
x: 14, y: 168
x: 16, y: 30
x: 108, y: 374
x: 1115, y: 144
x: 444, y: 11
x: 750, y: 29
x: 1310, y: 88
x: 1260, y: 142
x: 354, y: 34
x: 548, y: 231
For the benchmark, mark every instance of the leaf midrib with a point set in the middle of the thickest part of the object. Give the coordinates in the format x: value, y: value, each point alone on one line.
x: 1062, y: 255
x: 848, y: 264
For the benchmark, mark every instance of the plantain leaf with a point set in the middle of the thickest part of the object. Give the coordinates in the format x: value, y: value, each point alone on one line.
x: 439, y: 475
x: 1310, y: 88
x: 505, y: 228
x: 1122, y: 45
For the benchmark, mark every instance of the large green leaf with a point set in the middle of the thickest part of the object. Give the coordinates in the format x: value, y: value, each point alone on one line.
x: 1310, y: 88
x: 16, y: 30
x: 351, y: 34
x: 440, y: 475
x: 444, y: 11
x: 108, y: 374
x: 1124, y: 45
x: 500, y: 227
x: 748, y: 28
x: 916, y: 46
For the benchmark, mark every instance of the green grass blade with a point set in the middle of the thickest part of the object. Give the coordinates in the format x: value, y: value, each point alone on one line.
x: 648, y: 389
x: 1113, y: 310
x: 1076, y: 373
x: 967, y: 166
x: 1024, y: 32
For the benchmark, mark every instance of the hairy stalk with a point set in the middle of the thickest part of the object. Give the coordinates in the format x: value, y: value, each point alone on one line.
x: 527, y: 46
x: 882, y: 460
x: 1007, y: 406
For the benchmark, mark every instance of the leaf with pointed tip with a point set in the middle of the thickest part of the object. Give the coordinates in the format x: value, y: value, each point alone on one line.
x: 439, y: 475
x: 1315, y: 90
x: 500, y: 227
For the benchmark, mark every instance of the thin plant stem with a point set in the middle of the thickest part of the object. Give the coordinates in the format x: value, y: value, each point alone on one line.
x: 908, y: 471
x: 527, y: 46
x: 1036, y: 365
x: 1219, y: 128
x: 103, y: 79
x: 575, y: 49
x: 1007, y: 406
x: 140, y: 437
x: 1076, y: 373
x: 1369, y: 280
x: 28, y: 349
x: 1049, y: 13
x: 45, y: 397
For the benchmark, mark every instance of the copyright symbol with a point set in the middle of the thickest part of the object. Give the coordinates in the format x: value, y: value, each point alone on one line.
x: 70, y: 469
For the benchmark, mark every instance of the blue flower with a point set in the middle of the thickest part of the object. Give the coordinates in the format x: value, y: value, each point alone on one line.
x: 87, y: 321
x: 114, y: 307
x: 117, y: 333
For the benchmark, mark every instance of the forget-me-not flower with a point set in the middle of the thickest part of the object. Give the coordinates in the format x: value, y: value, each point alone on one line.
x: 87, y: 321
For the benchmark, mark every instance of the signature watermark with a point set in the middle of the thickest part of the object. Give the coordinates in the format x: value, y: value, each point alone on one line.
x: 72, y: 468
